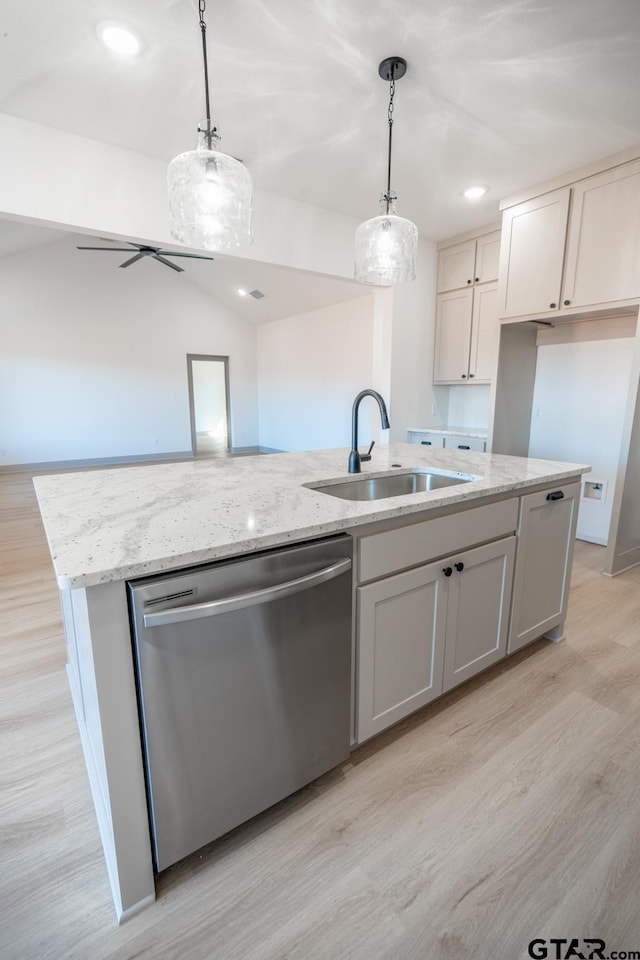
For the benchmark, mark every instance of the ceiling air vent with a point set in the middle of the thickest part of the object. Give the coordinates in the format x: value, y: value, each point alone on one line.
x: 257, y: 294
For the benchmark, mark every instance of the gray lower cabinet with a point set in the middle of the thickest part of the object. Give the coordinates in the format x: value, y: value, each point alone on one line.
x: 478, y: 610
x: 424, y: 631
x: 401, y: 629
x: 546, y: 534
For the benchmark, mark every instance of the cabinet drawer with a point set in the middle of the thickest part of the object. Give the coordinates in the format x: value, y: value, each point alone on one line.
x: 426, y: 439
x: 395, y: 550
x: 465, y: 443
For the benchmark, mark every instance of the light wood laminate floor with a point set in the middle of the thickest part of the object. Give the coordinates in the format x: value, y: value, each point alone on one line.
x: 508, y: 810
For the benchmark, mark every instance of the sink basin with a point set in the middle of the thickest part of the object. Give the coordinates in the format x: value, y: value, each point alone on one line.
x: 393, y: 485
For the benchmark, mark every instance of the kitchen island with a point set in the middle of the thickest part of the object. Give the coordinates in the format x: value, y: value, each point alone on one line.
x: 105, y: 527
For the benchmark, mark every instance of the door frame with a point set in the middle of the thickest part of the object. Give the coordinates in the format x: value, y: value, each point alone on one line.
x: 192, y: 410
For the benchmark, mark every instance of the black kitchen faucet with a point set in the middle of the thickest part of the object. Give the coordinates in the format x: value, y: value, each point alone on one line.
x: 355, y: 458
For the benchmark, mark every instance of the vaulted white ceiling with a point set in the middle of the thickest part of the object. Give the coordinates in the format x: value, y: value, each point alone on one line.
x: 501, y: 92
x: 286, y: 293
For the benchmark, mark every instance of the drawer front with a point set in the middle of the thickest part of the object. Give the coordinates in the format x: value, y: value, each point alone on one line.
x: 465, y: 443
x: 426, y: 439
x: 395, y: 550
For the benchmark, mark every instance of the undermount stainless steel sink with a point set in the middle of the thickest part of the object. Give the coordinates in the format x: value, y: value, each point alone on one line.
x: 392, y: 485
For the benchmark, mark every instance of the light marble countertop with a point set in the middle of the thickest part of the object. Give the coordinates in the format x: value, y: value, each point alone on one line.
x: 124, y: 522
x: 479, y: 432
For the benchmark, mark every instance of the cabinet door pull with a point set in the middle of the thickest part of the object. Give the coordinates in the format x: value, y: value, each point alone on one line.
x: 464, y: 446
x: 426, y: 443
x: 556, y: 495
x: 459, y: 566
x: 447, y: 571
x: 464, y: 376
x: 471, y: 376
x: 477, y: 279
x: 567, y: 302
x: 469, y: 281
x: 552, y: 305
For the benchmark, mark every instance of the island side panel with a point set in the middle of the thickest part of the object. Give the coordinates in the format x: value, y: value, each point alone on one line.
x: 101, y: 676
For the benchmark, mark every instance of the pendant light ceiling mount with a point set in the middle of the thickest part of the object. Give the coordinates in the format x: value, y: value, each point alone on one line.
x: 392, y: 68
x: 386, y: 245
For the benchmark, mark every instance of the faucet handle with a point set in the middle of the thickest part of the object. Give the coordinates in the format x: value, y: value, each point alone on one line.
x: 367, y: 455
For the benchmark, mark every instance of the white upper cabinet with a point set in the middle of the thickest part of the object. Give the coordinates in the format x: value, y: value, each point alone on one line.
x: 487, y: 257
x: 485, y: 334
x: 456, y: 266
x: 454, y: 312
x: 603, y: 245
x: 467, y: 329
x: 472, y: 261
x: 467, y: 335
x: 533, y: 235
x: 573, y: 248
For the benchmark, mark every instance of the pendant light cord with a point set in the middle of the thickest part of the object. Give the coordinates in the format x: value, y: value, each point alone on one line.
x: 209, y: 133
x: 392, y: 90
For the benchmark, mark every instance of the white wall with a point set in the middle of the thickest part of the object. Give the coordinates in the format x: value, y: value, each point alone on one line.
x: 88, y: 186
x: 310, y: 368
x: 93, y: 358
x: 579, y: 402
x: 469, y: 406
x: 414, y: 306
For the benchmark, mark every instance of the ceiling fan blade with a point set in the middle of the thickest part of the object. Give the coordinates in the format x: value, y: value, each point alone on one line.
x: 128, y: 263
x: 194, y: 256
x: 167, y: 263
x: 117, y: 249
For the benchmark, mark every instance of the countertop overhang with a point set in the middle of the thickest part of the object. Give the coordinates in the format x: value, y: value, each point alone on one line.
x: 115, y: 524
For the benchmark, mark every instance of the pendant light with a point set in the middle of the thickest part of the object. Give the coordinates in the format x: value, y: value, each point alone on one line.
x: 209, y: 191
x: 386, y: 245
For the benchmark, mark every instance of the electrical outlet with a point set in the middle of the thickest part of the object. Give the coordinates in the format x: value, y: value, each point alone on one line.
x: 3, y: 453
x: 434, y: 409
x: 156, y: 441
x: 174, y: 395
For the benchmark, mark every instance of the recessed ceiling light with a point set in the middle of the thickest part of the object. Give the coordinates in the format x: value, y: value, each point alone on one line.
x: 118, y: 38
x: 474, y: 193
x: 241, y: 292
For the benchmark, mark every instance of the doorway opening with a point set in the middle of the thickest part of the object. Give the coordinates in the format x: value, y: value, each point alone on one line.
x: 209, y: 405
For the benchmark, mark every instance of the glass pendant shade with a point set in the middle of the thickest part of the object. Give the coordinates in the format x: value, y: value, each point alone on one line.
x: 210, y: 199
x: 386, y: 248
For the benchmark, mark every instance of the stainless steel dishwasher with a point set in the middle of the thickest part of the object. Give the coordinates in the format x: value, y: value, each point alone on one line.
x: 244, y: 685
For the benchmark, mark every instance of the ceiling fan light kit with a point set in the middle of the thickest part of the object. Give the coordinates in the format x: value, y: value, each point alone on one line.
x: 386, y: 245
x: 210, y: 192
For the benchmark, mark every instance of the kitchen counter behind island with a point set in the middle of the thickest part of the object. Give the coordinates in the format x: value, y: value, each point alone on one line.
x: 106, y: 527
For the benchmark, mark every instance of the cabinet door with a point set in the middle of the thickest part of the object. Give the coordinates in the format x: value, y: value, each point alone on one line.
x: 456, y: 266
x: 478, y: 610
x: 485, y: 334
x: 453, y: 336
x: 531, y: 254
x: 487, y: 257
x: 401, y: 631
x: 603, y: 246
x: 546, y: 534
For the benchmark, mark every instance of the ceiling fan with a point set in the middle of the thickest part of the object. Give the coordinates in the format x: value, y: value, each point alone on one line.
x: 157, y: 253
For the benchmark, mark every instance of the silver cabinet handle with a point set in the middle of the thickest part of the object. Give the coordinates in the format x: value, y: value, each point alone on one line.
x: 198, y: 610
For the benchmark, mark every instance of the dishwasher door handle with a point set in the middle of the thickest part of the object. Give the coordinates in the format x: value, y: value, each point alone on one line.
x: 228, y: 604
